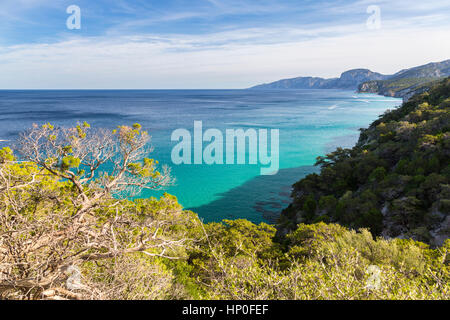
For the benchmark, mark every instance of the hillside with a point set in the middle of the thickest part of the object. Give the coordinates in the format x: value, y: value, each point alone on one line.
x: 65, y: 235
x: 403, y: 84
x: 430, y: 70
x: 402, y: 88
x: 70, y: 232
x: 395, y: 181
x: 348, y: 80
x: 406, y: 83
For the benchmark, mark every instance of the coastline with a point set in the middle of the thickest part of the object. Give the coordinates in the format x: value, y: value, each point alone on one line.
x: 269, y: 208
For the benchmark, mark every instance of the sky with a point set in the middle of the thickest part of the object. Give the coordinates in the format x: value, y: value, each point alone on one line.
x: 212, y: 44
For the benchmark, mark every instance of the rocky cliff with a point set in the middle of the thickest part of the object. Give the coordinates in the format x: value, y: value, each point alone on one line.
x: 348, y: 80
x: 403, y: 84
x: 408, y: 82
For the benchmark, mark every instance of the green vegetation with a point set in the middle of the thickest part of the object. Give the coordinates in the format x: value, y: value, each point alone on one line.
x: 152, y: 249
x: 240, y: 260
x: 395, y: 181
x: 68, y: 229
x: 403, y: 87
x: 408, y: 82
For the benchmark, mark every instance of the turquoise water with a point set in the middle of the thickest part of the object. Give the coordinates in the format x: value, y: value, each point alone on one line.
x: 310, y: 122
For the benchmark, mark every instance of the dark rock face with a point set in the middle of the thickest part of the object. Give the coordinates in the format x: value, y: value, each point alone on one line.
x: 370, y: 87
x: 352, y: 78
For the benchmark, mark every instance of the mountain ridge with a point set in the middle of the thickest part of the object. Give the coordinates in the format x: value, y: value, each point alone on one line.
x: 408, y: 82
x: 403, y: 83
x: 349, y: 79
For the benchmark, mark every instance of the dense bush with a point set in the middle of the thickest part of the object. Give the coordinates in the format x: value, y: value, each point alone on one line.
x: 319, y: 261
x: 70, y: 230
x: 394, y: 182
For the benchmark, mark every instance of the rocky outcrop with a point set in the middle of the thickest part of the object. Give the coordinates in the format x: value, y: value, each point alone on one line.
x: 405, y: 88
x: 403, y: 84
x: 348, y: 80
x: 370, y: 87
x: 408, y: 82
x: 352, y: 78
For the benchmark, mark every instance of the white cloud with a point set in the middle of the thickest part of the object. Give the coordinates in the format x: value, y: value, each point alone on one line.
x: 229, y: 59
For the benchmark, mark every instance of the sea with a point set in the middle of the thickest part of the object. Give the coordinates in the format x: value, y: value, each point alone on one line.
x: 310, y: 123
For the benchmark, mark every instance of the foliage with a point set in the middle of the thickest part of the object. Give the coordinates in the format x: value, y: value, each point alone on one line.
x: 320, y: 261
x: 59, y: 213
x: 394, y: 181
x: 68, y: 230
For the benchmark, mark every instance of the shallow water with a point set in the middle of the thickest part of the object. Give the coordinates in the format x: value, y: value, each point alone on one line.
x: 311, y: 123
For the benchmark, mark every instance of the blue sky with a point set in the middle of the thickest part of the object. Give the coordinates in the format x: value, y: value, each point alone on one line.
x: 211, y: 43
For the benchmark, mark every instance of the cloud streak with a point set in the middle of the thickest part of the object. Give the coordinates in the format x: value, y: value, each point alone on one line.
x: 229, y: 54
x: 181, y: 62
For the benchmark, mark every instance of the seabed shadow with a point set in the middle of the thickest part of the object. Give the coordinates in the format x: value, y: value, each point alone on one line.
x: 259, y: 200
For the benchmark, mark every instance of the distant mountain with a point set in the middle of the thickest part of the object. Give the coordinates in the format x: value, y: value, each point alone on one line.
x: 299, y: 83
x: 352, y: 78
x: 404, y: 83
x: 348, y: 80
x: 430, y: 70
x: 408, y: 82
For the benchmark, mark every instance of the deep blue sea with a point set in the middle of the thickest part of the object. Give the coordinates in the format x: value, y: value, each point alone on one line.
x: 310, y: 122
